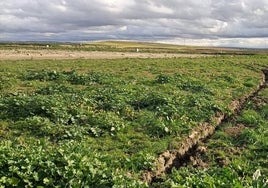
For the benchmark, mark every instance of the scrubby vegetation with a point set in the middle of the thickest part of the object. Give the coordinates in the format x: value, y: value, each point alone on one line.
x: 102, y: 123
x: 235, y: 156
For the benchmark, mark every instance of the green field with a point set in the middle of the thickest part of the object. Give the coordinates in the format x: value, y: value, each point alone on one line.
x: 235, y: 156
x: 103, y: 123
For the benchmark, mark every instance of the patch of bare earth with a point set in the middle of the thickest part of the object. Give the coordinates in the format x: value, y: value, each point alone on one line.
x: 19, y: 54
x: 235, y: 131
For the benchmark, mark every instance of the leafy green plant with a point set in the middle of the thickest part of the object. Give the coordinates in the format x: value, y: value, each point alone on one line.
x: 251, y: 118
x: 55, y: 89
x: 250, y: 82
x: 105, y: 121
x: 163, y: 79
x: 4, y: 82
x: 44, y: 75
x: 20, y: 107
x: 141, y: 161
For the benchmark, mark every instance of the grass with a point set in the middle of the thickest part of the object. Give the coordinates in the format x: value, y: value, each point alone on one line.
x: 236, y: 156
x: 104, y: 122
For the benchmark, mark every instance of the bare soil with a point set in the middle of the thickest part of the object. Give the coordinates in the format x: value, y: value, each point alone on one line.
x: 235, y: 131
x: 18, y: 54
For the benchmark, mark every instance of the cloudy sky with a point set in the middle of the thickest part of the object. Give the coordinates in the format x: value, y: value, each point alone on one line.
x: 241, y: 23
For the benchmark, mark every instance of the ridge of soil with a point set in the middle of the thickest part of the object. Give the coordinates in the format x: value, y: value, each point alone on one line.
x: 175, y: 158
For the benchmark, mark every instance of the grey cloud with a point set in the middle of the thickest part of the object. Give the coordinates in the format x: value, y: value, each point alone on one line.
x: 242, y: 18
x: 69, y: 20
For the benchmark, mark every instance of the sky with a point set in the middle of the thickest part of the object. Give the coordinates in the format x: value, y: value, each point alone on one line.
x: 233, y: 23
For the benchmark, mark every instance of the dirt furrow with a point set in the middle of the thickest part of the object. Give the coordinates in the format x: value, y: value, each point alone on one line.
x: 176, y: 158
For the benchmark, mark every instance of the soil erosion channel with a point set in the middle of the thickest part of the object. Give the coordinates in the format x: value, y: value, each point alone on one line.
x: 189, y: 147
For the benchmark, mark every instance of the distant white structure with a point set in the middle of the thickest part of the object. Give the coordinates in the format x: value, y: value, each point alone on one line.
x: 137, y: 50
x: 47, y: 46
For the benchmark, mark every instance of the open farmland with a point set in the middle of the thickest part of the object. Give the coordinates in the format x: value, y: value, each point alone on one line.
x: 105, y: 122
x: 111, y: 50
x: 235, y: 156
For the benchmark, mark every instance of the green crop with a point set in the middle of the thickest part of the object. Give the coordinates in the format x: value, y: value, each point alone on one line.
x: 102, y: 123
x: 236, y: 155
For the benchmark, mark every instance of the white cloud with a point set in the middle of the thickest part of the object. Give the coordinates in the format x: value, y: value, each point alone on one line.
x: 210, y: 20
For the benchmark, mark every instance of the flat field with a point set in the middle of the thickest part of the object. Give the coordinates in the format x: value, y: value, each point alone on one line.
x: 104, y: 122
x: 235, y: 156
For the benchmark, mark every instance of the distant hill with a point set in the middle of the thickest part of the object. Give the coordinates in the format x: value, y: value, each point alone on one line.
x: 131, y: 46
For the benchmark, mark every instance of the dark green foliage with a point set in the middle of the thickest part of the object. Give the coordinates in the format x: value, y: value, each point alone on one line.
x: 251, y: 118
x: 20, y: 107
x: 236, y: 155
x: 55, y: 89
x: 108, y: 122
x: 111, y: 99
x: 250, y: 82
x: 44, y: 75
x: 163, y: 79
x: 87, y: 79
x: 190, y: 177
x: 68, y: 76
x: 4, y: 82
x: 69, y: 165
x: 227, y: 78
x: 195, y: 87
x: 134, y: 162
x: 150, y: 101
x: 104, y: 122
x: 183, y: 83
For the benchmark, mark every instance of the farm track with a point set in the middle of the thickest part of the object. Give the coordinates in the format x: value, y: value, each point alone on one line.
x: 21, y: 54
x: 176, y: 158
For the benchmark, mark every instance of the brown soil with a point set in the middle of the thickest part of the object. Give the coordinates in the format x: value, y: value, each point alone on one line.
x: 259, y: 102
x: 19, y: 54
x: 235, y: 131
